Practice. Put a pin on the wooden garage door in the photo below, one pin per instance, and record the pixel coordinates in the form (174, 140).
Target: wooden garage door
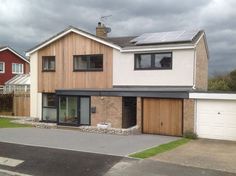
(162, 116)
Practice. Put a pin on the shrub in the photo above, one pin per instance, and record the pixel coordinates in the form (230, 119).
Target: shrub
(190, 135)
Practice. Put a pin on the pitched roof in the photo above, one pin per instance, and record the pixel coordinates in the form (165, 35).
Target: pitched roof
(66, 31)
(127, 42)
(158, 38)
(3, 48)
(21, 79)
(121, 41)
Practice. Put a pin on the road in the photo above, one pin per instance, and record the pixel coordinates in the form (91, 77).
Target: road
(40, 161)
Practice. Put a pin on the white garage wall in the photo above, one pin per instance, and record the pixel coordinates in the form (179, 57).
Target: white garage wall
(215, 115)
(180, 75)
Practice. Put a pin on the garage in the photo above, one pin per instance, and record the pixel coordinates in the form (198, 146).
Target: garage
(216, 116)
(162, 116)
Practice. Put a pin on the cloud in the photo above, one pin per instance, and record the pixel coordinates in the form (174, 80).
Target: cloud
(25, 23)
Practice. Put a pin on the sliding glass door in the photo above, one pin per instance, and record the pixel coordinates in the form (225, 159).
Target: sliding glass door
(74, 110)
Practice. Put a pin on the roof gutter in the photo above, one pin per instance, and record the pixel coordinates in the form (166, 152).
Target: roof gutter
(124, 50)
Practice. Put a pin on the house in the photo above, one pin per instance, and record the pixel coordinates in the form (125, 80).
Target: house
(83, 79)
(11, 64)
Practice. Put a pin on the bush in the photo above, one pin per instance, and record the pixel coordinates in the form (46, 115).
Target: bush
(190, 135)
(6, 102)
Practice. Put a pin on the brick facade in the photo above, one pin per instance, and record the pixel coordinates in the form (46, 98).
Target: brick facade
(188, 115)
(201, 81)
(139, 113)
(108, 109)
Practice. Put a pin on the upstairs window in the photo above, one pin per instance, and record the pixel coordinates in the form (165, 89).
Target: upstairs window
(2, 67)
(17, 68)
(153, 61)
(88, 62)
(48, 63)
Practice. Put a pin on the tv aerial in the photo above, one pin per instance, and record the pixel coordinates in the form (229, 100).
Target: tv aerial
(103, 19)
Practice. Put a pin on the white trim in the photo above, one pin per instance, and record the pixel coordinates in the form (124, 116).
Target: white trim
(77, 32)
(7, 48)
(213, 96)
(157, 49)
(3, 66)
(22, 71)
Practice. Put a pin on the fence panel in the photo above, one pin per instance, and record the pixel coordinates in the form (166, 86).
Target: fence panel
(21, 104)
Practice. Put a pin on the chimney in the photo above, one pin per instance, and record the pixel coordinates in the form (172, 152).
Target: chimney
(101, 30)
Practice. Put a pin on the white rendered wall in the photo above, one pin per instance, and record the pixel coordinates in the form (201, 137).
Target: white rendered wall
(35, 97)
(181, 73)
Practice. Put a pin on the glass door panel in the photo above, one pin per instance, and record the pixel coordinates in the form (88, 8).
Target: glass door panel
(84, 110)
(68, 110)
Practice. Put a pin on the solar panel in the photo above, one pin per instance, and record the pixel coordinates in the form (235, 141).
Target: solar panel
(165, 37)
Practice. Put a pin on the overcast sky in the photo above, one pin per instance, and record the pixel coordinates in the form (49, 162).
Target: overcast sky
(25, 23)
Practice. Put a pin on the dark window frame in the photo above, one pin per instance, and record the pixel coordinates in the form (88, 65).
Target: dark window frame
(88, 69)
(153, 61)
(49, 107)
(50, 58)
(78, 111)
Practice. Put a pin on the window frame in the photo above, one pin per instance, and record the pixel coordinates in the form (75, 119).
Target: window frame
(18, 65)
(88, 69)
(3, 67)
(153, 61)
(49, 107)
(48, 57)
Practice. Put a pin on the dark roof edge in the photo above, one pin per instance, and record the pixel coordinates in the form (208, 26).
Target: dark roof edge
(124, 93)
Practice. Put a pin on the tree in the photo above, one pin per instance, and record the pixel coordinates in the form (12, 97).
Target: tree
(232, 80)
(219, 83)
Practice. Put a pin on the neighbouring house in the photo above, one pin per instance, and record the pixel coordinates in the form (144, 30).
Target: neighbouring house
(78, 78)
(11, 64)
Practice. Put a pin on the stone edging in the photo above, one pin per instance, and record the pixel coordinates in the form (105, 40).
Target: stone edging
(91, 129)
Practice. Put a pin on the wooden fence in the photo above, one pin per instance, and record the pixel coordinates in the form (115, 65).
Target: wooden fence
(15, 104)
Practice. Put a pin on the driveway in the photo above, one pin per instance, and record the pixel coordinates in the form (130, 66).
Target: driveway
(203, 153)
(81, 141)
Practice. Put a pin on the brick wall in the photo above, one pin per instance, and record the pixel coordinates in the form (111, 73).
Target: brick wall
(188, 115)
(139, 113)
(108, 109)
(201, 81)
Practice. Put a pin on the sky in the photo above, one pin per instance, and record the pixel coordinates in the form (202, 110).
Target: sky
(25, 23)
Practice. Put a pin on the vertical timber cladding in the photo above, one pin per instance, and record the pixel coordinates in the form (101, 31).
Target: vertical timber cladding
(64, 77)
(162, 116)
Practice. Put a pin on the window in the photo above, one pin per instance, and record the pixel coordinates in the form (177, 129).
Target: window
(153, 61)
(17, 68)
(48, 63)
(2, 67)
(88, 63)
(49, 107)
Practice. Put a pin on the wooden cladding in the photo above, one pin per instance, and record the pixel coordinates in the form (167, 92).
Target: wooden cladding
(162, 116)
(64, 78)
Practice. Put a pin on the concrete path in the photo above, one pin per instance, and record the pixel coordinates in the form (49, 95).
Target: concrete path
(80, 141)
(203, 153)
(157, 168)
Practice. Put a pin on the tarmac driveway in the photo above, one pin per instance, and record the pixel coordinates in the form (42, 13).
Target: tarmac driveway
(203, 153)
(81, 141)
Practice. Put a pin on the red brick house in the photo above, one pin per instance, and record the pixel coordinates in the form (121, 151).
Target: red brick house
(11, 64)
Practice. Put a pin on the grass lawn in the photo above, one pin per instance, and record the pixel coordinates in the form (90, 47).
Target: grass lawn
(159, 149)
(6, 123)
